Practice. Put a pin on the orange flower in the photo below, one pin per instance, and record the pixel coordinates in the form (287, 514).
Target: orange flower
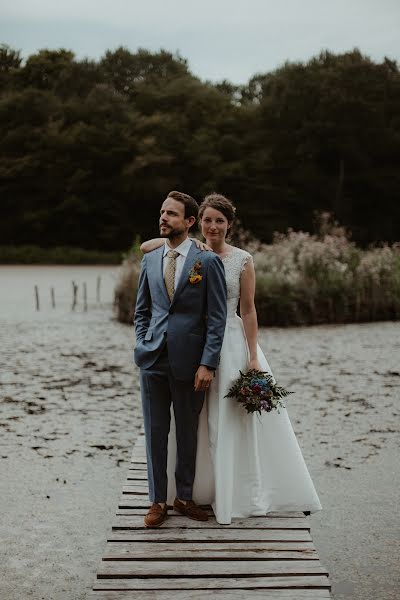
(194, 275)
(195, 278)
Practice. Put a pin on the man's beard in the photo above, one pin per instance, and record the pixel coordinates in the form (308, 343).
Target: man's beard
(171, 233)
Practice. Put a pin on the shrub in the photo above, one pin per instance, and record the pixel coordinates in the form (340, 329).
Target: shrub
(126, 289)
(305, 278)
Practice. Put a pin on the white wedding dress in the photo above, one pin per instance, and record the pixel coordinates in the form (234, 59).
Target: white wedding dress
(247, 464)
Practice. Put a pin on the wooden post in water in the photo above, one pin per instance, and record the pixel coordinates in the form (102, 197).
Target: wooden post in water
(53, 299)
(74, 294)
(84, 297)
(37, 297)
(98, 289)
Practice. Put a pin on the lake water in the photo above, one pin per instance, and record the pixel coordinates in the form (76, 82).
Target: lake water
(17, 287)
(70, 412)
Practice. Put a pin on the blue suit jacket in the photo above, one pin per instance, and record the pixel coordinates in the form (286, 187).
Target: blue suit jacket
(192, 325)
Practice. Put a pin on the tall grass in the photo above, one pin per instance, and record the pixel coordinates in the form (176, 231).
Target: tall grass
(126, 288)
(308, 279)
(324, 278)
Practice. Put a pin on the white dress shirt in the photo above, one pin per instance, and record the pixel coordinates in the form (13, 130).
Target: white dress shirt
(183, 250)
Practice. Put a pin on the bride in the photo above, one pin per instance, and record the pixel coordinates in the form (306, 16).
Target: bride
(247, 464)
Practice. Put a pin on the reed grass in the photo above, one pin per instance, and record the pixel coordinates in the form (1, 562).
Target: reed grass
(306, 279)
(126, 288)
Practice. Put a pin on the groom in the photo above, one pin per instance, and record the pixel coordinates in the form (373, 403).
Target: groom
(180, 320)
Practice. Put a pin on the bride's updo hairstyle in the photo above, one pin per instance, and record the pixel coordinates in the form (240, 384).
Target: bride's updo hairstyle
(221, 203)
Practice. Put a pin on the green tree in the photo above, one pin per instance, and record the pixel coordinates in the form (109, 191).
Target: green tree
(89, 149)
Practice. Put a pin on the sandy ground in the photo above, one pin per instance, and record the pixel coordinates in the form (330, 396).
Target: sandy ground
(70, 412)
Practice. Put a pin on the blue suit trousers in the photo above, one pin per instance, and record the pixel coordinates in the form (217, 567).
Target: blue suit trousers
(159, 389)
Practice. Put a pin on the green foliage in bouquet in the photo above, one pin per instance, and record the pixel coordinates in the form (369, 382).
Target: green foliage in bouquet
(257, 391)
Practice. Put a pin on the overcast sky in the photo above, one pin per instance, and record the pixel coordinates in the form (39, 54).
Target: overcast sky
(222, 39)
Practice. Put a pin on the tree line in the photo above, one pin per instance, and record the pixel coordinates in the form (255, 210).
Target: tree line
(89, 149)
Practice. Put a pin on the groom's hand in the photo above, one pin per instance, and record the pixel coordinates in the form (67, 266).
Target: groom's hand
(203, 378)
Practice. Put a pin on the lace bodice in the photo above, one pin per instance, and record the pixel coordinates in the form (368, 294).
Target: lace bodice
(234, 263)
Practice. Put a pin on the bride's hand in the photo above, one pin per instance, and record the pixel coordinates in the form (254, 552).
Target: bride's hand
(254, 364)
(201, 245)
(153, 244)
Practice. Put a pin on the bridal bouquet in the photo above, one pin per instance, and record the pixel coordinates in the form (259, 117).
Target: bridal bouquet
(256, 391)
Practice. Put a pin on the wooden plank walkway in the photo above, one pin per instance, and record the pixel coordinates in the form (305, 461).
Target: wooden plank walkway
(270, 557)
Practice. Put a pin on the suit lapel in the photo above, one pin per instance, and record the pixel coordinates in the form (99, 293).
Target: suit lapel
(158, 268)
(184, 278)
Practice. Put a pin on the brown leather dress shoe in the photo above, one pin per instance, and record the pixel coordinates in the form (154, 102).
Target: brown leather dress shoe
(191, 510)
(156, 515)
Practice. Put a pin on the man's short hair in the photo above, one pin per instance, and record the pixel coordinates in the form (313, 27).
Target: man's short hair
(190, 204)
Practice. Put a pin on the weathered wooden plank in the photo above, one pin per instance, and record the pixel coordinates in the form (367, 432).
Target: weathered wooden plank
(200, 555)
(207, 568)
(139, 482)
(137, 474)
(140, 486)
(269, 557)
(138, 466)
(135, 512)
(256, 594)
(210, 535)
(138, 459)
(132, 490)
(212, 547)
(185, 551)
(204, 583)
(134, 500)
(129, 502)
(128, 508)
(136, 522)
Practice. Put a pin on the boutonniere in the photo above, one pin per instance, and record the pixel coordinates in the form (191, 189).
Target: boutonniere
(194, 273)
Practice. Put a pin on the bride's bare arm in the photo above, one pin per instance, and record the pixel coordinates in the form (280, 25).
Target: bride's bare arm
(248, 311)
(150, 245)
(155, 243)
